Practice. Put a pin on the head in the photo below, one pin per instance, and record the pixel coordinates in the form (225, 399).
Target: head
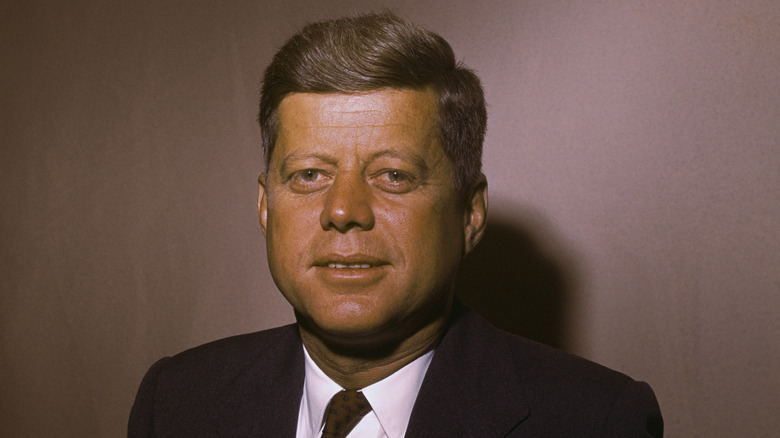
(375, 51)
(372, 192)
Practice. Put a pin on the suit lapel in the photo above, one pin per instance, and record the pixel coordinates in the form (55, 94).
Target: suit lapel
(471, 387)
(263, 400)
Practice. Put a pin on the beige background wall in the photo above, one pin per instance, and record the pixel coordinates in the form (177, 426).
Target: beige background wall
(632, 156)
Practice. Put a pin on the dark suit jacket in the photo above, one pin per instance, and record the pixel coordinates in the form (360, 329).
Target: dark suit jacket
(481, 383)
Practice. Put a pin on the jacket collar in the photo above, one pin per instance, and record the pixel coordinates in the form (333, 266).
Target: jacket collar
(263, 400)
(472, 386)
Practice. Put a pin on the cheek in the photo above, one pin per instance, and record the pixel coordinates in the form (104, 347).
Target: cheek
(425, 232)
(294, 213)
(290, 225)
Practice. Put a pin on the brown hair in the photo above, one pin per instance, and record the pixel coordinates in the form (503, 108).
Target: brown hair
(374, 51)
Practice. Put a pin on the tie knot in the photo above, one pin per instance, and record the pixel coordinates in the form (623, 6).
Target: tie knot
(344, 411)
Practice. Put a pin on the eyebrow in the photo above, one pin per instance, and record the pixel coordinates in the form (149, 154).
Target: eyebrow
(415, 159)
(295, 156)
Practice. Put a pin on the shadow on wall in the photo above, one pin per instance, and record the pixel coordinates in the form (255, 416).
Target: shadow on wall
(515, 284)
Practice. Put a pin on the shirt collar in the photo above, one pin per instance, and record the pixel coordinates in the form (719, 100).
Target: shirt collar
(392, 398)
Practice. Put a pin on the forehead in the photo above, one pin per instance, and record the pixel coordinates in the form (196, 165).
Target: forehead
(389, 105)
(389, 114)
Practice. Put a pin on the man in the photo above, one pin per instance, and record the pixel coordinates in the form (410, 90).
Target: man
(371, 196)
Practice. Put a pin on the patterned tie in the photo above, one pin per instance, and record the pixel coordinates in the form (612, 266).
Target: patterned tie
(344, 411)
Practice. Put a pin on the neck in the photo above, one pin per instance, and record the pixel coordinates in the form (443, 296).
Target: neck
(356, 368)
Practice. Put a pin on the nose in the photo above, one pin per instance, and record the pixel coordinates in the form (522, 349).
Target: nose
(348, 204)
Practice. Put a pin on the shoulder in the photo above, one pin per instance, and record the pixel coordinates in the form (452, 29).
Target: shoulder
(179, 391)
(601, 401)
(538, 363)
(553, 384)
(558, 377)
(219, 360)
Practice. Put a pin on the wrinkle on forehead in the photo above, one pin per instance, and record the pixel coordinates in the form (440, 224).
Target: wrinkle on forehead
(351, 126)
(339, 110)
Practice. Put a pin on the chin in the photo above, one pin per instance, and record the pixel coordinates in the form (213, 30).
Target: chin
(350, 326)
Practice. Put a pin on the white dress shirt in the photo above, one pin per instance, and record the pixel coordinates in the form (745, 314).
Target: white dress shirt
(392, 399)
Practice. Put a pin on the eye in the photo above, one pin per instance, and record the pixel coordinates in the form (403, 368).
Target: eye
(394, 181)
(308, 175)
(307, 180)
(396, 176)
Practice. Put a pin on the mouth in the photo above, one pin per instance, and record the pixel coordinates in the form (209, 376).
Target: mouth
(349, 271)
(351, 261)
(350, 266)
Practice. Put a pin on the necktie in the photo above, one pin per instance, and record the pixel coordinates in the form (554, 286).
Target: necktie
(344, 411)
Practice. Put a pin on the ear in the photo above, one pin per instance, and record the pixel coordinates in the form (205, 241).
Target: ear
(475, 214)
(262, 203)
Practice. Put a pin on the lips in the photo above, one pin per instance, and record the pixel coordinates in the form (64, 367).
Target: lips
(350, 273)
(351, 266)
(350, 261)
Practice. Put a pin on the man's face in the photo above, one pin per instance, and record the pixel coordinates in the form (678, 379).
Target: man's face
(364, 226)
